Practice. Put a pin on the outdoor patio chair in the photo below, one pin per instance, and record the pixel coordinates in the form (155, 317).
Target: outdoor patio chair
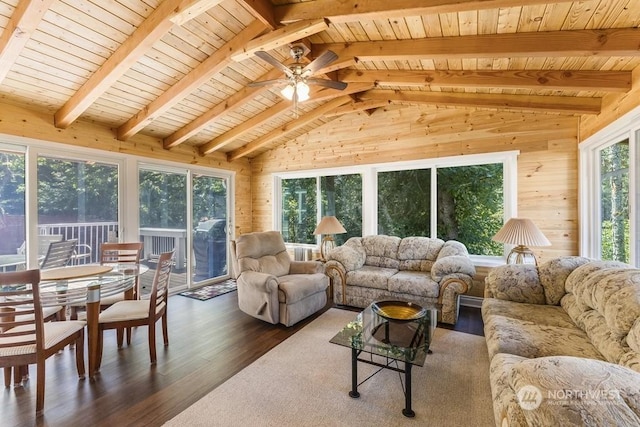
(59, 254)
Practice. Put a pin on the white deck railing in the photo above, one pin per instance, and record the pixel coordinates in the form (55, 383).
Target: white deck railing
(91, 235)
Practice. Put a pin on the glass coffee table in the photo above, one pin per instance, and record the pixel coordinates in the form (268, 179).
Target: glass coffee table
(391, 335)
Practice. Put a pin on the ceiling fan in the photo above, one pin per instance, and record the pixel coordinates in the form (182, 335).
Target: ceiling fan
(298, 76)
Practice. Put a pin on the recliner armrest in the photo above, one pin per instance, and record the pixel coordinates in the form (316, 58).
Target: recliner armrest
(261, 282)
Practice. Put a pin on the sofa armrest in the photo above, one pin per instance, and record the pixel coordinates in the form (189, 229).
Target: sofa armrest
(453, 264)
(306, 267)
(350, 258)
(515, 282)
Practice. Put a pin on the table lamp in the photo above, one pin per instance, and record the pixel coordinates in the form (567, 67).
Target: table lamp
(521, 232)
(328, 226)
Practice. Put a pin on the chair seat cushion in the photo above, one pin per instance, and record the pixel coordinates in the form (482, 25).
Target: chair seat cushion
(54, 332)
(296, 287)
(127, 310)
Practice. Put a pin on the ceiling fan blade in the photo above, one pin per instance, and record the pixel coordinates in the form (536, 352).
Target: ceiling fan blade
(273, 82)
(328, 83)
(321, 61)
(273, 61)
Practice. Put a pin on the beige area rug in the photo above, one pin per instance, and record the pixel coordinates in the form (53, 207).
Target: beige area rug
(305, 381)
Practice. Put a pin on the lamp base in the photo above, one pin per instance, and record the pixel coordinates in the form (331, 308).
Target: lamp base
(326, 246)
(521, 255)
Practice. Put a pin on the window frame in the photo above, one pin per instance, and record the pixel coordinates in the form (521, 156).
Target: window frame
(370, 191)
(589, 195)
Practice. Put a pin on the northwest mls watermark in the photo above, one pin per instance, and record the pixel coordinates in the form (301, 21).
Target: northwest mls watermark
(531, 397)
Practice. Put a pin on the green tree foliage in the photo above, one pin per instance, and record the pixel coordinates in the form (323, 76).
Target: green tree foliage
(470, 206)
(163, 199)
(404, 203)
(74, 191)
(342, 198)
(12, 185)
(299, 210)
(614, 193)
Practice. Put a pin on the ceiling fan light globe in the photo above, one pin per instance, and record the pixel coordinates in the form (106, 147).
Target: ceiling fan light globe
(302, 90)
(287, 92)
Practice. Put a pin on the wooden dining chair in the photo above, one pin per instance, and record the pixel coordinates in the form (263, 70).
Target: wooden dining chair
(116, 253)
(25, 338)
(144, 312)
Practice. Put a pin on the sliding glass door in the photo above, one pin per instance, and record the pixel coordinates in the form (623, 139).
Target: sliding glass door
(186, 212)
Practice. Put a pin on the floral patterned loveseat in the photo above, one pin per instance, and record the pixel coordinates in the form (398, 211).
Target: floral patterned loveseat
(564, 343)
(417, 269)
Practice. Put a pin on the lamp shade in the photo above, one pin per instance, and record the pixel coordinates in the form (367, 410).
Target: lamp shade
(329, 225)
(521, 231)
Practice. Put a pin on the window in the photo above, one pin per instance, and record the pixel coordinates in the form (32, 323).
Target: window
(464, 198)
(342, 197)
(12, 208)
(77, 199)
(404, 200)
(609, 192)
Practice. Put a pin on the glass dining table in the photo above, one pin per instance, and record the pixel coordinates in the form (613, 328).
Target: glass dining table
(87, 284)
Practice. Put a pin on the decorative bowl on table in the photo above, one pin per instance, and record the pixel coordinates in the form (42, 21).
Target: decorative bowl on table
(399, 311)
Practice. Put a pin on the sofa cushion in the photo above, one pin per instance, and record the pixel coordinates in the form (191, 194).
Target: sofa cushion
(516, 282)
(414, 283)
(418, 253)
(528, 339)
(550, 315)
(382, 251)
(372, 277)
(578, 391)
(263, 252)
(554, 273)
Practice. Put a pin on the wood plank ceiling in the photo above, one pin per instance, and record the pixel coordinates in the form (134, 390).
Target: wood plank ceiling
(179, 70)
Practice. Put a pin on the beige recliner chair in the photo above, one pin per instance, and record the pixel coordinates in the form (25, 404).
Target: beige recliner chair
(271, 286)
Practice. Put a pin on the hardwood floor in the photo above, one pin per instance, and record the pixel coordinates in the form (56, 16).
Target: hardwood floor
(209, 341)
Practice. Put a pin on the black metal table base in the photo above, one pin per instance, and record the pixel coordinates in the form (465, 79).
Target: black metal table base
(407, 411)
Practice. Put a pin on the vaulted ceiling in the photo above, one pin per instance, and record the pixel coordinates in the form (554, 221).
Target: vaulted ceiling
(181, 70)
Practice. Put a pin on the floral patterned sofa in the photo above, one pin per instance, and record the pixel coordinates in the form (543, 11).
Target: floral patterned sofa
(564, 343)
(417, 269)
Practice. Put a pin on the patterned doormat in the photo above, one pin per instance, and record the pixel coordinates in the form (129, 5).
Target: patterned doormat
(211, 291)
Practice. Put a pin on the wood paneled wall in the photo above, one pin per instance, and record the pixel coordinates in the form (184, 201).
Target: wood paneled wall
(22, 122)
(547, 165)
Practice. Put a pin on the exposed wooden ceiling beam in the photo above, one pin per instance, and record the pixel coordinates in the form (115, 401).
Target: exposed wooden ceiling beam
(208, 68)
(261, 10)
(317, 94)
(358, 10)
(149, 32)
(17, 32)
(609, 42)
(356, 106)
(558, 104)
(281, 37)
(608, 81)
(287, 128)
